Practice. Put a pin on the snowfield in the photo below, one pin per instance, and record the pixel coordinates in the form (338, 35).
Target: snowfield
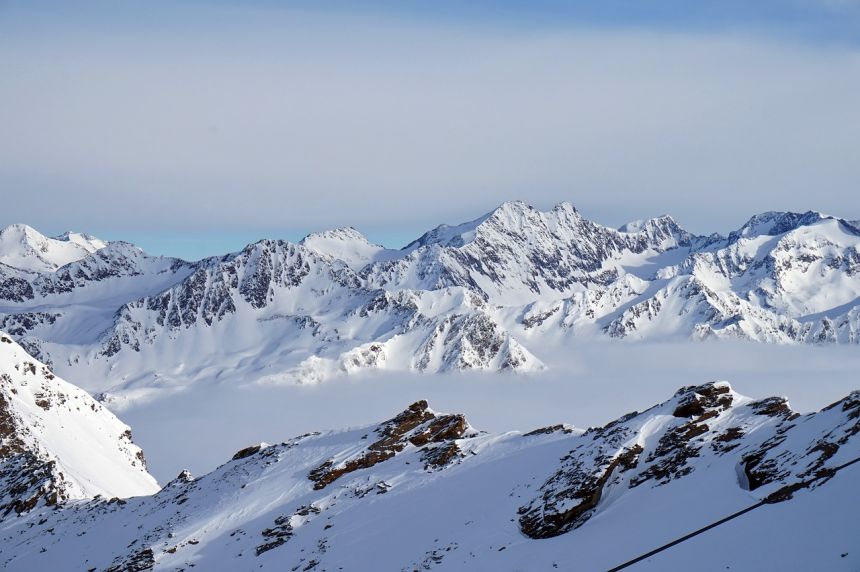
(429, 491)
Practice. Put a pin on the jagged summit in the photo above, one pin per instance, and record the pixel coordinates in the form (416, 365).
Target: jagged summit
(23, 247)
(515, 216)
(773, 223)
(517, 252)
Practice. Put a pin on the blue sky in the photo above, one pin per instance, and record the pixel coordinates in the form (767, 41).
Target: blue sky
(196, 126)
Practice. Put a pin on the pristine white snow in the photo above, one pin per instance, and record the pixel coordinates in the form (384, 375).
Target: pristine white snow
(348, 245)
(60, 423)
(26, 248)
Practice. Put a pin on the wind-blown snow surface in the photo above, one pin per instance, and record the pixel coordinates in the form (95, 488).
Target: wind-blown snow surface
(491, 295)
(427, 491)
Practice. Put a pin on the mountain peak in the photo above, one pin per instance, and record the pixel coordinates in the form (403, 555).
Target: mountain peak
(772, 223)
(565, 206)
(518, 207)
(85, 240)
(25, 248)
(346, 244)
(340, 233)
(21, 233)
(513, 215)
(639, 225)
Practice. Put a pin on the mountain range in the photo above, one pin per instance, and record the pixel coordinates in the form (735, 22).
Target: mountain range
(489, 294)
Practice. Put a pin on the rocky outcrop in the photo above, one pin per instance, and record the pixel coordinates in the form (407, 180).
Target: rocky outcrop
(417, 426)
(777, 452)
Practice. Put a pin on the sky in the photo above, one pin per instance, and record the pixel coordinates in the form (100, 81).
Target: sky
(193, 127)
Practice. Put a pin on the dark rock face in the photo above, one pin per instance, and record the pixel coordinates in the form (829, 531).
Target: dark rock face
(773, 461)
(569, 497)
(15, 289)
(246, 452)
(772, 406)
(776, 223)
(416, 426)
(37, 462)
(582, 489)
(275, 536)
(669, 460)
(697, 401)
(19, 325)
(548, 430)
(698, 425)
(117, 260)
(26, 480)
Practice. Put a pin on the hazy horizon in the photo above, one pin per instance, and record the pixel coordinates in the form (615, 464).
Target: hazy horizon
(200, 244)
(202, 119)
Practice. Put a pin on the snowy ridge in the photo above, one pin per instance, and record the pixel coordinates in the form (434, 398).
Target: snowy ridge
(427, 491)
(273, 288)
(57, 443)
(25, 248)
(517, 252)
(347, 245)
(484, 295)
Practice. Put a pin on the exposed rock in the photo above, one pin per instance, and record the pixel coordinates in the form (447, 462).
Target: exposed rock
(246, 452)
(579, 488)
(416, 426)
(550, 429)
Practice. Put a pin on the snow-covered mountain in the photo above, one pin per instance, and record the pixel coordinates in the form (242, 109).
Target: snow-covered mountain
(517, 254)
(26, 248)
(347, 245)
(57, 443)
(487, 294)
(427, 491)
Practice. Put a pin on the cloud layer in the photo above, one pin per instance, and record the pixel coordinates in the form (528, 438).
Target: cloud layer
(287, 119)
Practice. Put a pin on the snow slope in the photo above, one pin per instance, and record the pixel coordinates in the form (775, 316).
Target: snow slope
(427, 491)
(57, 443)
